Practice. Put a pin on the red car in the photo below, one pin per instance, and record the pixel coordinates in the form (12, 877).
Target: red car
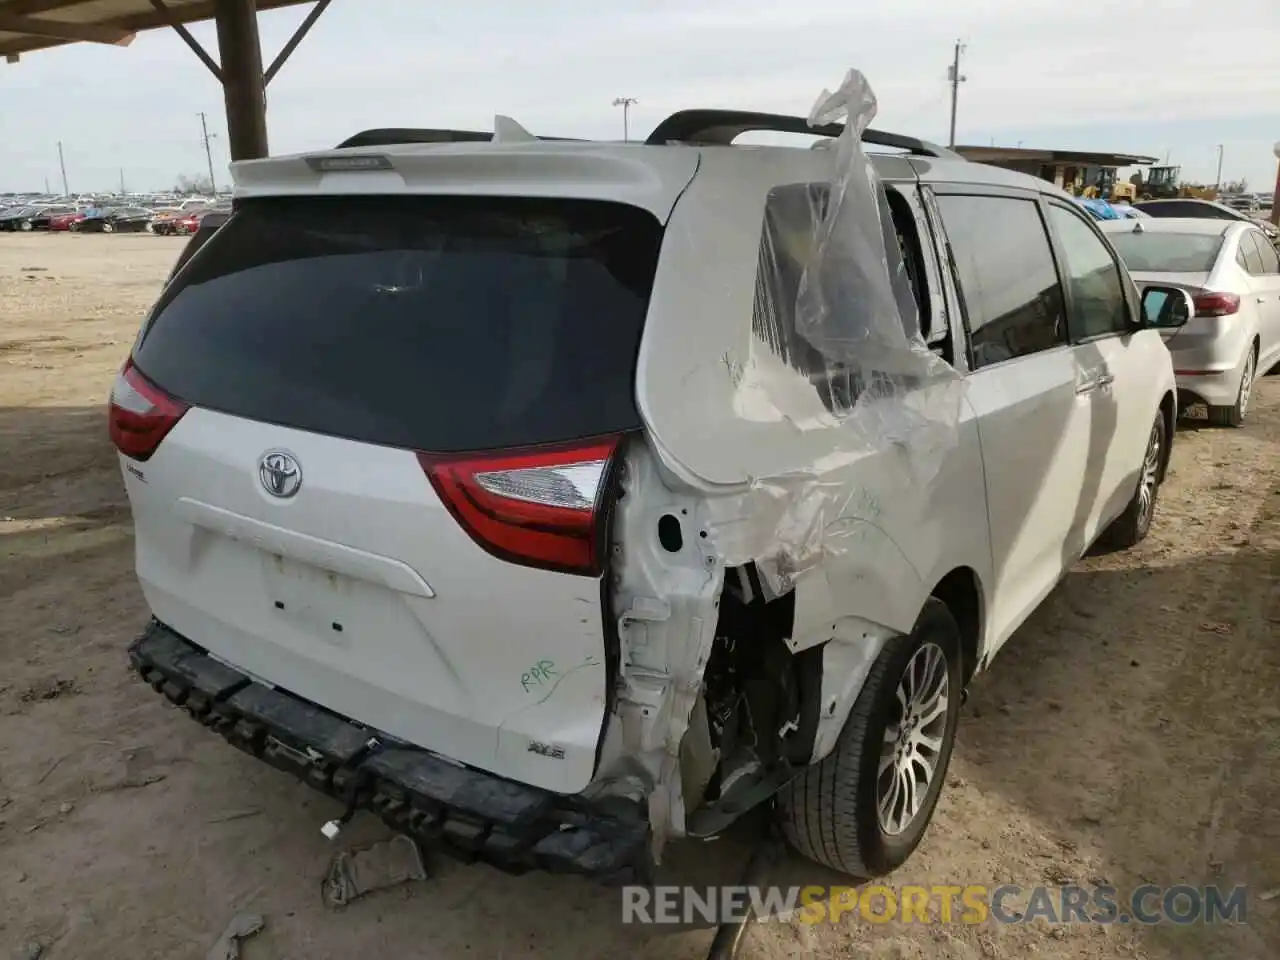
(63, 221)
(184, 226)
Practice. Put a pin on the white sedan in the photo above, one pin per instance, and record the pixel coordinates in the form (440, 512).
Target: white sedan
(1232, 272)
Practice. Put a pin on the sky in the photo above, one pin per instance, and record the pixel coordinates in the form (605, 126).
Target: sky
(1171, 78)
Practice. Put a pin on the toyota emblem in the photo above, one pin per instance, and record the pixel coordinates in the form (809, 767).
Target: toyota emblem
(280, 474)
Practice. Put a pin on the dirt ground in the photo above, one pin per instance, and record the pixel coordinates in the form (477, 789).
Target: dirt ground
(1130, 733)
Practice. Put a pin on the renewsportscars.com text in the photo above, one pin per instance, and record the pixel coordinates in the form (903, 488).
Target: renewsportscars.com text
(946, 904)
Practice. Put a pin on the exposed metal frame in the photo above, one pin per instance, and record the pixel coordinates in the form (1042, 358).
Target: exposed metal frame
(181, 30)
(238, 67)
(11, 22)
(244, 81)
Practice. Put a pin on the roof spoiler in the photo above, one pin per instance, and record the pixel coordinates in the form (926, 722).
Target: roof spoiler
(722, 127)
(505, 129)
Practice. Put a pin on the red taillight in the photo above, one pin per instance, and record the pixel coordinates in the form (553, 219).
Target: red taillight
(140, 413)
(542, 507)
(1216, 304)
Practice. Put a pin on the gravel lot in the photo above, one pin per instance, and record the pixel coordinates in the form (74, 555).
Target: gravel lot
(1130, 733)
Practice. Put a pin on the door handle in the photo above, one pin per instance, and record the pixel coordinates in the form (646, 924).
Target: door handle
(1094, 380)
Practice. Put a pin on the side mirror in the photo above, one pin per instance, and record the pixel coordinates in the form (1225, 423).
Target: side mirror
(1166, 308)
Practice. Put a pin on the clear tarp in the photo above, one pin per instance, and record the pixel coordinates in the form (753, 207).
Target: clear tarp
(837, 347)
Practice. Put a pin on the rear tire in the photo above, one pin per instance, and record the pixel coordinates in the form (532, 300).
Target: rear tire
(1234, 416)
(844, 812)
(107, 228)
(1132, 526)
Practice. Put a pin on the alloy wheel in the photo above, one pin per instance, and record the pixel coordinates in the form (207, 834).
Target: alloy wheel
(912, 745)
(1246, 382)
(1150, 477)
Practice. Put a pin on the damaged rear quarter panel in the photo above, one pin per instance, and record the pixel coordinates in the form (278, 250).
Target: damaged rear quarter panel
(862, 536)
(667, 598)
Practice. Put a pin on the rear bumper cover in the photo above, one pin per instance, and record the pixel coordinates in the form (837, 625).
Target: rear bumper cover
(471, 814)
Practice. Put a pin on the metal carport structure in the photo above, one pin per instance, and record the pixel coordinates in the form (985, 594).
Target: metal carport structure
(28, 25)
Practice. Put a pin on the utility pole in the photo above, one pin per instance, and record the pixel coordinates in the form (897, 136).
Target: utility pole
(1217, 184)
(626, 103)
(1275, 202)
(122, 181)
(205, 137)
(46, 186)
(66, 191)
(956, 78)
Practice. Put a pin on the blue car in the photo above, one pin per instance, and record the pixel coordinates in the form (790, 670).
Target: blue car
(1102, 210)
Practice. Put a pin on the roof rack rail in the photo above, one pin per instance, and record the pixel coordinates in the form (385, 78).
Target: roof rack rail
(722, 127)
(386, 136)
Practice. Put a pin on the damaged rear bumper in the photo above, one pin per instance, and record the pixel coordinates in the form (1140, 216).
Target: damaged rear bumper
(471, 814)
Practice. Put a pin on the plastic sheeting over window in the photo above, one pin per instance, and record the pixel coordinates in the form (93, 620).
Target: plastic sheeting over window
(837, 347)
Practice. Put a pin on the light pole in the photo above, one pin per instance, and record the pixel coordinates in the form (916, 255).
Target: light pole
(955, 78)
(62, 164)
(626, 103)
(1217, 184)
(1275, 200)
(205, 137)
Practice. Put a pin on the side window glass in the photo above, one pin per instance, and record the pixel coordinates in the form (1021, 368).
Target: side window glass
(1268, 258)
(1097, 300)
(1012, 298)
(1252, 257)
(786, 248)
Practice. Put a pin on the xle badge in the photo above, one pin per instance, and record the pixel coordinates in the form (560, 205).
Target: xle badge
(546, 750)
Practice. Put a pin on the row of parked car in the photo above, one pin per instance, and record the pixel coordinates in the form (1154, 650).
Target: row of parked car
(179, 220)
(1250, 203)
(1179, 207)
(627, 598)
(1231, 268)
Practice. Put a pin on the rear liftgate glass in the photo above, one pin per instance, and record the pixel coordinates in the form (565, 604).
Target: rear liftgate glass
(495, 336)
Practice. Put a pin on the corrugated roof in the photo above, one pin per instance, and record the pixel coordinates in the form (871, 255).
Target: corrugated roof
(27, 25)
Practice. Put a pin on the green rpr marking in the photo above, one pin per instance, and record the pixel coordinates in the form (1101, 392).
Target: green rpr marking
(540, 673)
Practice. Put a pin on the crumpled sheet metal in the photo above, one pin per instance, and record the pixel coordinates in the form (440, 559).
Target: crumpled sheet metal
(837, 347)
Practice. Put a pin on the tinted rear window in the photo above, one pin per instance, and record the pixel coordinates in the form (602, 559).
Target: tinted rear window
(1184, 208)
(434, 323)
(1167, 252)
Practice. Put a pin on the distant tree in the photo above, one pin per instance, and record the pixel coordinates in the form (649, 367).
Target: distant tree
(189, 184)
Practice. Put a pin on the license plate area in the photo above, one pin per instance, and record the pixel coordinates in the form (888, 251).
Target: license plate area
(318, 599)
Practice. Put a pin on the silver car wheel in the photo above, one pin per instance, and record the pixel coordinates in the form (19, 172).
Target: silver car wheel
(1150, 477)
(1246, 382)
(912, 746)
